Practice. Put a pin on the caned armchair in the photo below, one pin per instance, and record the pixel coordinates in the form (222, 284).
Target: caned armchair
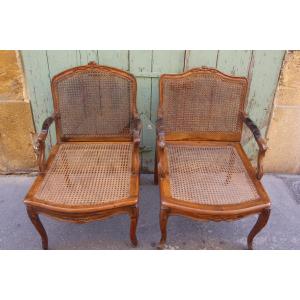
(202, 169)
(93, 170)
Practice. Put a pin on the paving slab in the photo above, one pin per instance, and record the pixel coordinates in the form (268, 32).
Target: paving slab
(281, 232)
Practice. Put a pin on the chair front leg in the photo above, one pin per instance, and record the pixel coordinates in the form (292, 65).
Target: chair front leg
(134, 215)
(259, 225)
(34, 217)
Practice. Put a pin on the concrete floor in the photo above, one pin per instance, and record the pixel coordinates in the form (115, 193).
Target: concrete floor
(282, 231)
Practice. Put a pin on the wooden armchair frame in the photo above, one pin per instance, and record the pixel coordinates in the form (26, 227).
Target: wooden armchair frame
(174, 206)
(86, 213)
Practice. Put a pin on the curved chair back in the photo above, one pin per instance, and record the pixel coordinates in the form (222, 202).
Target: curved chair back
(94, 102)
(202, 104)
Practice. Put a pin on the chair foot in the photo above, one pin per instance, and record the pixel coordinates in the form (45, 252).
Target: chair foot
(259, 225)
(133, 224)
(35, 220)
(164, 215)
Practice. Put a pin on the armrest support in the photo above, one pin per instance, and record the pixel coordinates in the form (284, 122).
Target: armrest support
(160, 133)
(39, 146)
(136, 132)
(261, 142)
(161, 143)
(137, 128)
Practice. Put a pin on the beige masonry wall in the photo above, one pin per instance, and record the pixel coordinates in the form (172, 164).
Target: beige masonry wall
(284, 131)
(16, 124)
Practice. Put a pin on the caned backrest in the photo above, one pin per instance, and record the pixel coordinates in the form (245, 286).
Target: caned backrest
(94, 102)
(202, 104)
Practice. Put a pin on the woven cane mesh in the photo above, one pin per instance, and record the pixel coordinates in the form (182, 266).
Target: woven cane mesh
(213, 175)
(95, 103)
(88, 174)
(202, 103)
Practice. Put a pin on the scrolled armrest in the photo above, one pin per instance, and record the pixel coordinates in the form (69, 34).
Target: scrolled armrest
(261, 142)
(39, 145)
(160, 133)
(161, 144)
(137, 128)
(136, 133)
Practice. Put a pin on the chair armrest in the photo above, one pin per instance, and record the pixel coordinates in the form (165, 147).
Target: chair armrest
(136, 132)
(161, 144)
(261, 142)
(160, 133)
(39, 146)
(137, 128)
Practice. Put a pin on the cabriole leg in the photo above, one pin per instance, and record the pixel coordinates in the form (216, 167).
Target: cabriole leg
(164, 215)
(259, 225)
(133, 224)
(34, 217)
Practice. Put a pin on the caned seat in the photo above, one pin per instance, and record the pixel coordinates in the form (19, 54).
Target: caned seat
(210, 174)
(87, 175)
(93, 170)
(201, 167)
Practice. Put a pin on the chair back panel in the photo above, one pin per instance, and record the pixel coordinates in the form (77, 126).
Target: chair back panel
(202, 102)
(94, 101)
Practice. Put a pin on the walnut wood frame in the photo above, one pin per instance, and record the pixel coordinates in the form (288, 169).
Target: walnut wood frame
(84, 214)
(171, 206)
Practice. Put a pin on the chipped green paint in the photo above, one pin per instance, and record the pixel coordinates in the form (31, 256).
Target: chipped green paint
(38, 89)
(201, 58)
(265, 76)
(261, 67)
(114, 58)
(139, 62)
(87, 56)
(164, 61)
(59, 60)
(234, 62)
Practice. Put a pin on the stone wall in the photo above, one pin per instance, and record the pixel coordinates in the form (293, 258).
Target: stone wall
(16, 124)
(283, 135)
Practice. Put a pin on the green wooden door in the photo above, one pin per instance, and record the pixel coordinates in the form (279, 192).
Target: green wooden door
(261, 67)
